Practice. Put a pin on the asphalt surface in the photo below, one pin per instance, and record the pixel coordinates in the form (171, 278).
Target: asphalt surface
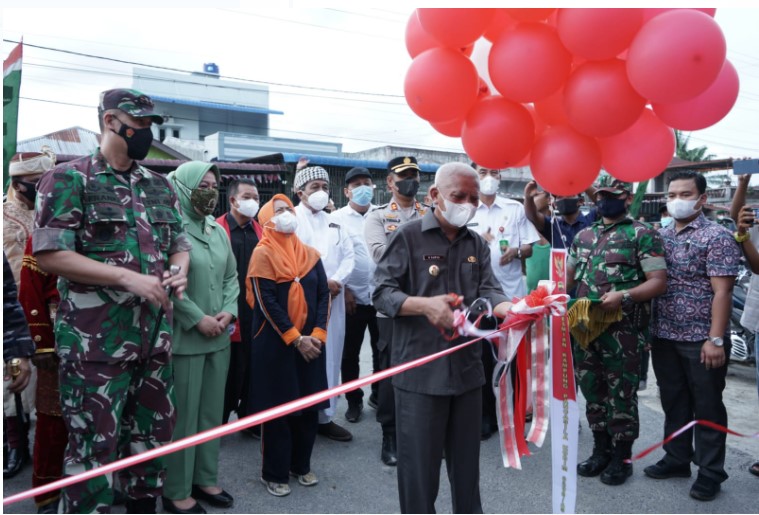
(354, 480)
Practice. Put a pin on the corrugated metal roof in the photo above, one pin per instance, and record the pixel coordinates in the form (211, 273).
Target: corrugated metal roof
(350, 162)
(215, 105)
(72, 141)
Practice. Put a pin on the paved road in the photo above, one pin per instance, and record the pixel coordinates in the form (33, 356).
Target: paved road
(354, 480)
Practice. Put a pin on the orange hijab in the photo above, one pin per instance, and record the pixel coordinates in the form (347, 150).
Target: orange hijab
(281, 258)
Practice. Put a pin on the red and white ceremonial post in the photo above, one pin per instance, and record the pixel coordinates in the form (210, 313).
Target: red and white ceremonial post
(564, 411)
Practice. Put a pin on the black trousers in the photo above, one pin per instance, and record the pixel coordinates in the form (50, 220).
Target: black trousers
(689, 391)
(489, 415)
(427, 425)
(236, 393)
(355, 328)
(385, 394)
(287, 443)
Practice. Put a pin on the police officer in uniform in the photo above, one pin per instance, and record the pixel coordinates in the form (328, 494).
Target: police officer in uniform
(381, 223)
(619, 262)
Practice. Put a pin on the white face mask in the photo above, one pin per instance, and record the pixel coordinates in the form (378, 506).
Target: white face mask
(489, 185)
(458, 215)
(285, 222)
(247, 207)
(681, 209)
(318, 200)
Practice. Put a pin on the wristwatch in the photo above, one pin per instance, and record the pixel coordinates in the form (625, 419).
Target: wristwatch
(716, 341)
(626, 298)
(740, 238)
(519, 253)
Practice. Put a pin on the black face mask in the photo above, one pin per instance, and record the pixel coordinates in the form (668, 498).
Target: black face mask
(138, 140)
(567, 206)
(31, 191)
(408, 187)
(610, 207)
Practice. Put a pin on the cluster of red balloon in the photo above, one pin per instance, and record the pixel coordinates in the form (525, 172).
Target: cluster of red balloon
(566, 90)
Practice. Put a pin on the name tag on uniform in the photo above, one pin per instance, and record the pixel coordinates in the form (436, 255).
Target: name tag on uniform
(429, 257)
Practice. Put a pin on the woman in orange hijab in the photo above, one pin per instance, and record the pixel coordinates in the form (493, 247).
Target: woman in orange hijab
(287, 289)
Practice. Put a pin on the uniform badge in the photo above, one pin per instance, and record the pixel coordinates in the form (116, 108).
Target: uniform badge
(393, 206)
(208, 230)
(392, 227)
(434, 270)
(471, 259)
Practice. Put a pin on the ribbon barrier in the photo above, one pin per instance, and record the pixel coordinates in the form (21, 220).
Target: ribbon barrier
(251, 420)
(686, 427)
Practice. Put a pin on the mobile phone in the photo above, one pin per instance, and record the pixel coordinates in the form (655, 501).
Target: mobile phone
(744, 166)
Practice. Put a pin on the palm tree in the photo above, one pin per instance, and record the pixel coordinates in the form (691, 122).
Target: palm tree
(690, 154)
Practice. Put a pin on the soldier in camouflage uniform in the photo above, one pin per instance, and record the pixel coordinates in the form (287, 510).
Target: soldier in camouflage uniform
(110, 228)
(619, 262)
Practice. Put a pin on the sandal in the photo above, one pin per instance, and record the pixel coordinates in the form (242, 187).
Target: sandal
(754, 469)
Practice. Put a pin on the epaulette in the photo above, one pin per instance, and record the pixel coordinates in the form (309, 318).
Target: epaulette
(383, 206)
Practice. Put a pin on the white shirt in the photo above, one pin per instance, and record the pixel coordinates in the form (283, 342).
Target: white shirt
(506, 220)
(332, 242)
(750, 316)
(361, 280)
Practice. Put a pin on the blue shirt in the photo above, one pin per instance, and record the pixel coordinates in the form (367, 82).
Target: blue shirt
(561, 234)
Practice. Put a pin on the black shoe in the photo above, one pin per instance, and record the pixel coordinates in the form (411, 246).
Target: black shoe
(17, 458)
(353, 414)
(617, 472)
(334, 432)
(51, 507)
(168, 506)
(486, 430)
(389, 452)
(704, 488)
(220, 500)
(144, 505)
(372, 402)
(664, 470)
(600, 458)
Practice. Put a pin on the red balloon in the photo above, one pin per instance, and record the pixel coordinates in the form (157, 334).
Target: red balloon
(528, 62)
(641, 152)
(530, 14)
(450, 128)
(652, 13)
(417, 39)
(564, 161)
(441, 84)
(599, 100)
(551, 109)
(707, 108)
(501, 22)
(456, 27)
(497, 132)
(598, 34)
(676, 56)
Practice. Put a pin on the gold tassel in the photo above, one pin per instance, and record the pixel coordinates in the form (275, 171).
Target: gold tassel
(587, 323)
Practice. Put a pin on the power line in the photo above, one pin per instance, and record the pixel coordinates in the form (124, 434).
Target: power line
(168, 68)
(384, 142)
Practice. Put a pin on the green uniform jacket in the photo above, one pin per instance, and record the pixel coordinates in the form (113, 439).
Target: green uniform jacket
(212, 285)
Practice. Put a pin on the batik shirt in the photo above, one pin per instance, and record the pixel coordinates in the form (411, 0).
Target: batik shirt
(128, 220)
(699, 251)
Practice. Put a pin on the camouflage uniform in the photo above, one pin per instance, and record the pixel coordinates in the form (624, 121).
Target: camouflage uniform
(116, 384)
(614, 258)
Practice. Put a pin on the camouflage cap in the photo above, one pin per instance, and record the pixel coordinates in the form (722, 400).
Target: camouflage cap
(617, 187)
(131, 101)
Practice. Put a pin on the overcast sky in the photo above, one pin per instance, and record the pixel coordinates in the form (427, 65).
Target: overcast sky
(349, 63)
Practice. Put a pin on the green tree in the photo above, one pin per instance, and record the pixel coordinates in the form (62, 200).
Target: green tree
(690, 154)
